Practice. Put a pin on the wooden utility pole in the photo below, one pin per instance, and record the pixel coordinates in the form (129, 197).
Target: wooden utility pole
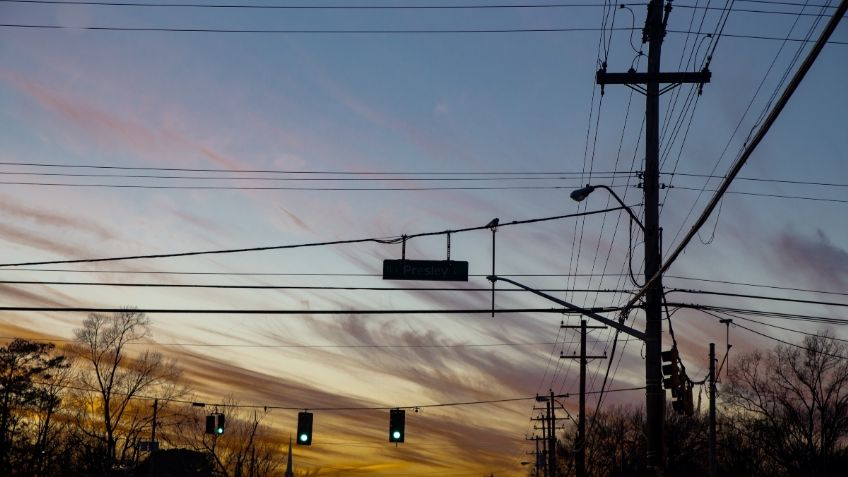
(713, 464)
(580, 442)
(552, 461)
(653, 33)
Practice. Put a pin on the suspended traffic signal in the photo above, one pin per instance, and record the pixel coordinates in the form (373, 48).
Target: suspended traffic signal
(671, 372)
(219, 428)
(304, 428)
(683, 402)
(215, 424)
(397, 421)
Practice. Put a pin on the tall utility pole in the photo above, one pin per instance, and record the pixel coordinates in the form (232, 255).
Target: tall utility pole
(548, 429)
(580, 442)
(538, 456)
(542, 462)
(552, 460)
(655, 26)
(713, 464)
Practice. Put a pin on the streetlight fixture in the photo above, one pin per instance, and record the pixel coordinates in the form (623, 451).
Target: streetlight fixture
(654, 394)
(580, 195)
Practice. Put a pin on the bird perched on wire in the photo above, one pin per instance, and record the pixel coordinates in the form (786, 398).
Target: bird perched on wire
(493, 223)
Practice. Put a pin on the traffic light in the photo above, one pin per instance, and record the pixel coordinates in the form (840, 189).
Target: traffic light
(219, 428)
(397, 421)
(673, 380)
(304, 428)
(671, 372)
(683, 402)
(215, 424)
(210, 424)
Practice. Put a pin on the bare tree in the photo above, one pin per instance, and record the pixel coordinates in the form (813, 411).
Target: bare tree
(793, 402)
(120, 380)
(28, 400)
(247, 448)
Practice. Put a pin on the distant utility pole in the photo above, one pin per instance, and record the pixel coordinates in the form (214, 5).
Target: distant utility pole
(713, 464)
(580, 442)
(653, 33)
(552, 461)
(538, 456)
(153, 447)
(548, 429)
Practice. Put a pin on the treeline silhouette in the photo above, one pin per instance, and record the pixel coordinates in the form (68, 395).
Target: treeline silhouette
(781, 413)
(83, 411)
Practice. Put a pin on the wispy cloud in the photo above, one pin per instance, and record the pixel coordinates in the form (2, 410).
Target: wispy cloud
(815, 257)
(11, 207)
(297, 221)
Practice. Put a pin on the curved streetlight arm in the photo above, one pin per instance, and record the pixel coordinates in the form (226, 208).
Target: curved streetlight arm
(611, 323)
(618, 199)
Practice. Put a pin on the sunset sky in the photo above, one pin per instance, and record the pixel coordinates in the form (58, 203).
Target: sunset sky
(302, 134)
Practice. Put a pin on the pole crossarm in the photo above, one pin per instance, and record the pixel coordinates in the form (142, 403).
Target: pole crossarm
(633, 77)
(611, 323)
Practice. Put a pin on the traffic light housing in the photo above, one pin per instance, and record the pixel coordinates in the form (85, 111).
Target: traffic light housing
(397, 422)
(671, 371)
(215, 424)
(304, 428)
(210, 424)
(219, 428)
(683, 401)
(673, 379)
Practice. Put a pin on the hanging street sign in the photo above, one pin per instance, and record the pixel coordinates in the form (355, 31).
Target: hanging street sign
(433, 270)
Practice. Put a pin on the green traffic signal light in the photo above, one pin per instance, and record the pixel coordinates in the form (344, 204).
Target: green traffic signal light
(397, 421)
(304, 428)
(220, 428)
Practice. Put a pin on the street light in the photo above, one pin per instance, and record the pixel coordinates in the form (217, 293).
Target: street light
(654, 394)
(580, 195)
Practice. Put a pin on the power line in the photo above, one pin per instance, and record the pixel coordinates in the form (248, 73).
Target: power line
(274, 274)
(287, 171)
(249, 6)
(375, 31)
(299, 179)
(771, 325)
(319, 274)
(749, 149)
(308, 346)
(756, 285)
(322, 409)
(789, 343)
(762, 194)
(764, 313)
(792, 4)
(297, 31)
(760, 179)
(321, 189)
(759, 37)
(393, 240)
(380, 189)
(246, 6)
(291, 287)
(235, 311)
(758, 297)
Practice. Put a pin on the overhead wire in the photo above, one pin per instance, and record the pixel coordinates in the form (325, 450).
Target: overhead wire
(35, 26)
(779, 340)
(232, 405)
(288, 287)
(156, 344)
(737, 166)
(378, 240)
